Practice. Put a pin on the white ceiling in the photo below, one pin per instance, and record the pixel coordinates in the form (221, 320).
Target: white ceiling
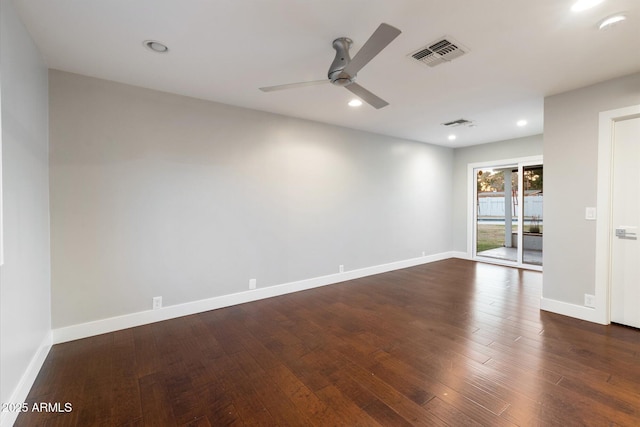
(224, 50)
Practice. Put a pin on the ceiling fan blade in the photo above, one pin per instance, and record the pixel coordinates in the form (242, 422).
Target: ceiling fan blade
(380, 38)
(293, 85)
(366, 96)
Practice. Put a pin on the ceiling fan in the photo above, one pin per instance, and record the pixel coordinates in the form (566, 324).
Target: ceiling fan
(343, 69)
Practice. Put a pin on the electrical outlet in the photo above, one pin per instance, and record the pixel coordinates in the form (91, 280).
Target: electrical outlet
(341, 268)
(252, 283)
(589, 301)
(157, 303)
(424, 253)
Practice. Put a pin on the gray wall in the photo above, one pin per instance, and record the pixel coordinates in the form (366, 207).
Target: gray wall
(570, 167)
(157, 194)
(513, 148)
(25, 315)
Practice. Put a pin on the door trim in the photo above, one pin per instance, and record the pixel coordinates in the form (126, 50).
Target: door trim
(604, 206)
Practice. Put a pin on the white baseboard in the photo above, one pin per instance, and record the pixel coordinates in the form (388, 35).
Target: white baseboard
(84, 330)
(21, 392)
(460, 255)
(571, 310)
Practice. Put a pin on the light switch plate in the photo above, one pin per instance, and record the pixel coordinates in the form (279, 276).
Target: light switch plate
(590, 214)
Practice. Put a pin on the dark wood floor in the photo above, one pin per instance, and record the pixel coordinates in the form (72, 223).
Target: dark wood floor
(448, 343)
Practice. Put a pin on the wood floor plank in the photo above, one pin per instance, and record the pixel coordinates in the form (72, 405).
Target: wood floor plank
(146, 353)
(281, 409)
(448, 412)
(99, 397)
(156, 404)
(448, 343)
(400, 374)
(246, 400)
(227, 416)
(408, 409)
(198, 422)
(124, 379)
(350, 414)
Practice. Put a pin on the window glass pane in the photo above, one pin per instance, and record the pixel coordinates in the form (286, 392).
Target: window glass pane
(532, 215)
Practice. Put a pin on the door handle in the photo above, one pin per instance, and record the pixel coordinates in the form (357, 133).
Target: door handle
(623, 232)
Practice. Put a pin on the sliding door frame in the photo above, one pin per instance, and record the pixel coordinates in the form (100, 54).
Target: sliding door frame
(472, 212)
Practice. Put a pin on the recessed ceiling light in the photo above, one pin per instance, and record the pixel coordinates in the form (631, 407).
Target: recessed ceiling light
(521, 123)
(581, 5)
(611, 20)
(156, 46)
(355, 103)
(451, 137)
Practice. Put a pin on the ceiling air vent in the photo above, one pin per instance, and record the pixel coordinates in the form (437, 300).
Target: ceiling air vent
(440, 51)
(459, 122)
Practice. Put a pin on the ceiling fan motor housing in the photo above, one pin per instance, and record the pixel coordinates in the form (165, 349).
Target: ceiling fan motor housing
(336, 74)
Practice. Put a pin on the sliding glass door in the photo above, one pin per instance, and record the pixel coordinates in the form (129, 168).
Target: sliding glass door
(496, 207)
(507, 218)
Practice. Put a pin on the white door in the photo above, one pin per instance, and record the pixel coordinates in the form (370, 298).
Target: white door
(625, 246)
